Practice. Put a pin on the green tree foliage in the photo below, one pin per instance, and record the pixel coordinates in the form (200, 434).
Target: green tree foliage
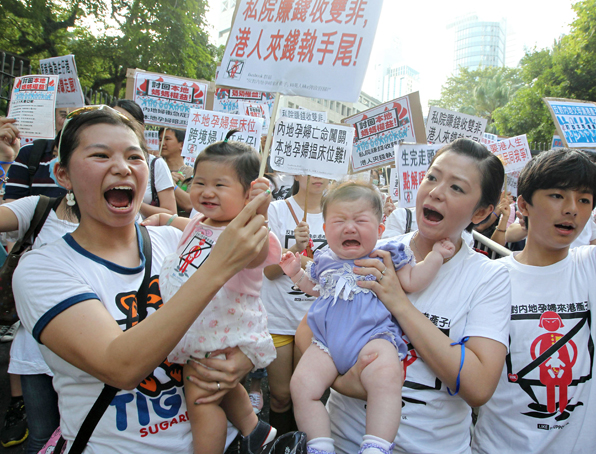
(567, 70)
(166, 36)
(479, 92)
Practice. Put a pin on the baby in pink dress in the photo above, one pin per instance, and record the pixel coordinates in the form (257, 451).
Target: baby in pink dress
(225, 179)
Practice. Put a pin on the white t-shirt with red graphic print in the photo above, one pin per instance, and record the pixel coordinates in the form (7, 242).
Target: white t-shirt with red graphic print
(545, 401)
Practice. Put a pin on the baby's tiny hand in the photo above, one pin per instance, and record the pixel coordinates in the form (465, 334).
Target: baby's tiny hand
(257, 187)
(152, 220)
(290, 263)
(444, 247)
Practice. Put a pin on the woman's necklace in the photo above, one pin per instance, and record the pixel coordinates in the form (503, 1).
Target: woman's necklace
(418, 250)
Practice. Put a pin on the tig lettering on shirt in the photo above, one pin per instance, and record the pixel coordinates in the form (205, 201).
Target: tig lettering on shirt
(159, 389)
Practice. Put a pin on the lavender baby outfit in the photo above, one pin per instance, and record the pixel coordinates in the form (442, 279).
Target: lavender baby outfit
(345, 317)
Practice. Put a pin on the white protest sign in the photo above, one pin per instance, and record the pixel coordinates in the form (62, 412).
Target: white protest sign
(444, 126)
(309, 148)
(32, 105)
(226, 99)
(514, 153)
(512, 178)
(70, 93)
(301, 48)
(206, 127)
(152, 139)
(379, 129)
(575, 121)
(251, 109)
(167, 101)
(488, 139)
(303, 114)
(556, 142)
(412, 162)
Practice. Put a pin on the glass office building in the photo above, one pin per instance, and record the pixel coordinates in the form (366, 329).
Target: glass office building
(479, 43)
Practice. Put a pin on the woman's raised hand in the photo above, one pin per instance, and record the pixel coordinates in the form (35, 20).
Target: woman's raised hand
(9, 139)
(302, 236)
(257, 187)
(242, 240)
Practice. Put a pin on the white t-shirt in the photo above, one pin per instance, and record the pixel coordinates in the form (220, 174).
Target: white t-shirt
(286, 307)
(25, 357)
(163, 178)
(469, 297)
(152, 418)
(518, 419)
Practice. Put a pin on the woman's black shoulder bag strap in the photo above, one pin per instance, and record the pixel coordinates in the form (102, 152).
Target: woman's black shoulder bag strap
(408, 220)
(109, 392)
(154, 196)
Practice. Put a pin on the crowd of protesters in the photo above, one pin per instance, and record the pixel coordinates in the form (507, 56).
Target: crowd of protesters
(491, 356)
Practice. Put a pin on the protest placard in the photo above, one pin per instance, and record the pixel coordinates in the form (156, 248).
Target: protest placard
(303, 114)
(379, 129)
(308, 148)
(488, 139)
(514, 152)
(226, 99)
(412, 162)
(556, 142)
(575, 121)
(152, 139)
(70, 93)
(251, 109)
(511, 179)
(206, 127)
(32, 105)
(166, 100)
(444, 126)
(301, 48)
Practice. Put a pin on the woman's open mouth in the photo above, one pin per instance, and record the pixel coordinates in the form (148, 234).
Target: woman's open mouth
(432, 215)
(120, 197)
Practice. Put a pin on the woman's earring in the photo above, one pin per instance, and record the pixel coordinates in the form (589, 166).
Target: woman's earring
(70, 199)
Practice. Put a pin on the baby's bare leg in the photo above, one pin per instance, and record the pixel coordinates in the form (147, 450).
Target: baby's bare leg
(382, 380)
(314, 374)
(239, 411)
(207, 421)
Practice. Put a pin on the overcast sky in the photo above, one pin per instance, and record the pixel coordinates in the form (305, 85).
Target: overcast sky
(427, 44)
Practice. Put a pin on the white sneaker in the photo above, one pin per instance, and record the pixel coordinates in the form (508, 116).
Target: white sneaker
(8, 336)
(256, 400)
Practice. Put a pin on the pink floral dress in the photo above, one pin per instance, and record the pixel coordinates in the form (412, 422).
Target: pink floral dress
(235, 316)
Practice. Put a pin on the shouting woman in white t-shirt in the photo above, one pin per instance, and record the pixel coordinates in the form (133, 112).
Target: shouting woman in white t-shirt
(81, 304)
(456, 330)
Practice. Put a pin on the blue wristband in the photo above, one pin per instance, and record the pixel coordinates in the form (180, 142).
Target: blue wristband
(461, 364)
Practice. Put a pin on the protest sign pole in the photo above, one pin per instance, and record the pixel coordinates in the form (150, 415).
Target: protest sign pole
(306, 199)
(265, 154)
(163, 137)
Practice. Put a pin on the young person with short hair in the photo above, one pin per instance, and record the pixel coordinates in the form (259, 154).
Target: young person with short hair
(544, 402)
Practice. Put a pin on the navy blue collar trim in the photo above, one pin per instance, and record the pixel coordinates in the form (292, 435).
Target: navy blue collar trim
(109, 265)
